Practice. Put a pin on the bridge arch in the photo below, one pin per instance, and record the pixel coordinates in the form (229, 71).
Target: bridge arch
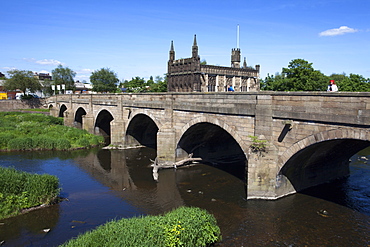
(78, 120)
(321, 157)
(211, 139)
(62, 109)
(217, 122)
(102, 125)
(142, 130)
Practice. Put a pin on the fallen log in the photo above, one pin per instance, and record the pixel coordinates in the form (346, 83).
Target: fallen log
(168, 164)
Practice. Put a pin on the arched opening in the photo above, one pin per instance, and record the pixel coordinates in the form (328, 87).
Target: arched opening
(78, 117)
(102, 125)
(215, 146)
(142, 130)
(63, 108)
(321, 162)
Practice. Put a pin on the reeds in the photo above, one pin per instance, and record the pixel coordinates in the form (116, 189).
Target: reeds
(21, 190)
(185, 226)
(36, 131)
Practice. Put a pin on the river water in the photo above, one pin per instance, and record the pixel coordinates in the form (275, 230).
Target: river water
(101, 185)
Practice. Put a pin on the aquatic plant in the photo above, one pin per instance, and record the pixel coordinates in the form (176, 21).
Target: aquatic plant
(36, 131)
(21, 190)
(184, 226)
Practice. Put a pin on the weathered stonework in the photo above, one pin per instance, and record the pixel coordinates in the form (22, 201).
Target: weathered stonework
(190, 75)
(303, 129)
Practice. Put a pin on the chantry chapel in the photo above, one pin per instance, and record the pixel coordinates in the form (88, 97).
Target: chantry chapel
(190, 75)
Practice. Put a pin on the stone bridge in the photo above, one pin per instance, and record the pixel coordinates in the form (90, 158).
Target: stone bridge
(309, 136)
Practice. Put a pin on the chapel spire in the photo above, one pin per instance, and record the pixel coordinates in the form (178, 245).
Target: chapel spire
(172, 52)
(195, 47)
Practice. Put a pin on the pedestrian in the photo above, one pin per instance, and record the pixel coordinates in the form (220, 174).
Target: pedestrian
(230, 88)
(332, 86)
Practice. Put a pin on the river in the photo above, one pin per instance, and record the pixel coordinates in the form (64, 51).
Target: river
(101, 185)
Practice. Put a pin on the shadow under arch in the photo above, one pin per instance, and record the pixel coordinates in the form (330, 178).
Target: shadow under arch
(78, 117)
(215, 146)
(62, 109)
(142, 130)
(321, 162)
(102, 125)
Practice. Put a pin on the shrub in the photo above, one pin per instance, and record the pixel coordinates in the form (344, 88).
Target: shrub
(83, 142)
(185, 226)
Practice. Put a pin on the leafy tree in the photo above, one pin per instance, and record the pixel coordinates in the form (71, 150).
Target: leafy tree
(64, 76)
(136, 85)
(351, 83)
(104, 80)
(203, 62)
(299, 76)
(23, 80)
(302, 76)
(160, 85)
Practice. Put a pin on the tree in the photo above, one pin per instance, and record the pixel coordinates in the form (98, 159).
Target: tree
(104, 80)
(299, 76)
(351, 83)
(136, 85)
(160, 85)
(23, 80)
(64, 76)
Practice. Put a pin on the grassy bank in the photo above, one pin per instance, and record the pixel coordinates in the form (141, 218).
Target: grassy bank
(37, 131)
(185, 226)
(21, 190)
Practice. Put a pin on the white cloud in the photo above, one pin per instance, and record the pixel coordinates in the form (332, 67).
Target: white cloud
(43, 61)
(84, 71)
(338, 31)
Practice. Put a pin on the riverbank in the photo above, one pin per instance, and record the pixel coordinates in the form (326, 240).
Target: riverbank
(37, 131)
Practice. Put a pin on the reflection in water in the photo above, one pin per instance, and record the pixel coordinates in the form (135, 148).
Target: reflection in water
(105, 184)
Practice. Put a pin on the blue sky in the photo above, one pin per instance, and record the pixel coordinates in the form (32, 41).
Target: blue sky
(133, 38)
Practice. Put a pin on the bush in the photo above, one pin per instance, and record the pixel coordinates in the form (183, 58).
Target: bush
(20, 190)
(185, 226)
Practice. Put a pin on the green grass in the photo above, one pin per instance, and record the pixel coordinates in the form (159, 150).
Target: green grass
(21, 190)
(185, 226)
(37, 131)
(36, 110)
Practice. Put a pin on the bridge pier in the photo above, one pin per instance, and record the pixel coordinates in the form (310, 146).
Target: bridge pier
(117, 127)
(166, 144)
(88, 123)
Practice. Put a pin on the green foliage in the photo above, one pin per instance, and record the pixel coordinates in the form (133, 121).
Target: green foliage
(21, 190)
(23, 80)
(104, 80)
(301, 76)
(64, 76)
(27, 131)
(185, 226)
(351, 83)
(83, 142)
(258, 145)
(139, 85)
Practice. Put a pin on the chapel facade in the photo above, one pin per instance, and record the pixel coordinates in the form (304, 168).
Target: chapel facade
(189, 75)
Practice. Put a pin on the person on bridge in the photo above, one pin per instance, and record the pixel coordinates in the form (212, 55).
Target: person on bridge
(332, 86)
(230, 88)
